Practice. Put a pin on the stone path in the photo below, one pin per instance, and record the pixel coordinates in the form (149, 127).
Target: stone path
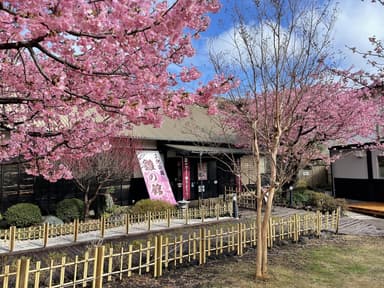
(359, 224)
(134, 229)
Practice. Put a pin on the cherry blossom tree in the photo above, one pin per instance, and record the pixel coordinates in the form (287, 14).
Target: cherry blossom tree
(288, 102)
(75, 72)
(91, 174)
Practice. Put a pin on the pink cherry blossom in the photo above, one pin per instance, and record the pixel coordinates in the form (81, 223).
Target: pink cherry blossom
(76, 72)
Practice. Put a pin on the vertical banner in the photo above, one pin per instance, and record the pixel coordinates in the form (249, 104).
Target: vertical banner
(202, 171)
(186, 179)
(155, 177)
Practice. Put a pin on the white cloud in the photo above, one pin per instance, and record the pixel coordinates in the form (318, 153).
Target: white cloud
(356, 22)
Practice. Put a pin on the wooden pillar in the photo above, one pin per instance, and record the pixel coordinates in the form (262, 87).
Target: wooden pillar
(99, 267)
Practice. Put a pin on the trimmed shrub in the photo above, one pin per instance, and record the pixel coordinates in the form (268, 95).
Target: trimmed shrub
(117, 210)
(323, 202)
(146, 205)
(70, 209)
(53, 220)
(23, 215)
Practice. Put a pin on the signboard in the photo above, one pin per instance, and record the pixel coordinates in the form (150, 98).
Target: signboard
(186, 179)
(155, 177)
(202, 171)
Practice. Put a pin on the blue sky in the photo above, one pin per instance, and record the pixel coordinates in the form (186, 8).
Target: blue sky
(357, 20)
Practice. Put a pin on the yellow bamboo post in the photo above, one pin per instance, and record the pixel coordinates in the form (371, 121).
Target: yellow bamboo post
(127, 219)
(202, 247)
(6, 276)
(186, 214)
(45, 234)
(159, 255)
(102, 226)
(295, 228)
(99, 267)
(209, 243)
(270, 232)
(202, 212)
(22, 273)
(75, 229)
(130, 249)
(181, 249)
(168, 218)
(37, 274)
(62, 271)
(239, 240)
(110, 264)
(149, 215)
(155, 269)
(12, 238)
(338, 211)
(318, 223)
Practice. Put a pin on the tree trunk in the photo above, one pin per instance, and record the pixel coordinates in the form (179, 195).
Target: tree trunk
(87, 204)
(259, 206)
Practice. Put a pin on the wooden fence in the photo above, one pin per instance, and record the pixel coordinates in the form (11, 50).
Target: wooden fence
(45, 232)
(245, 198)
(103, 264)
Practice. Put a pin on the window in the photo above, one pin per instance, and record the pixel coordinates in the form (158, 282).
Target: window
(380, 161)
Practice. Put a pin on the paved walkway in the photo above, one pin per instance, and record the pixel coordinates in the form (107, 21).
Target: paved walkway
(359, 224)
(134, 229)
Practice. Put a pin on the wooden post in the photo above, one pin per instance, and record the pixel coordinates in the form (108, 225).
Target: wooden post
(155, 255)
(239, 240)
(318, 222)
(45, 234)
(99, 267)
(295, 229)
(127, 219)
(168, 218)
(159, 258)
(12, 238)
(22, 273)
(202, 214)
(75, 229)
(217, 212)
(338, 211)
(149, 215)
(130, 249)
(186, 213)
(202, 247)
(102, 226)
(110, 264)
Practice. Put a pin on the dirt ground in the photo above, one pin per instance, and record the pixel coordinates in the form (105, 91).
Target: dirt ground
(331, 261)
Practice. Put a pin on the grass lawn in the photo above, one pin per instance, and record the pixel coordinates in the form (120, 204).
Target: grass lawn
(340, 261)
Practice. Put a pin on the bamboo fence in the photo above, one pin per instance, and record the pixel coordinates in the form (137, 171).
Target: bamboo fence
(46, 232)
(103, 264)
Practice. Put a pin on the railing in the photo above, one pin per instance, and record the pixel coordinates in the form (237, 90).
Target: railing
(245, 198)
(44, 233)
(101, 264)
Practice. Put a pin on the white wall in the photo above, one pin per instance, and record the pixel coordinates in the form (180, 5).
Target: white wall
(350, 166)
(375, 164)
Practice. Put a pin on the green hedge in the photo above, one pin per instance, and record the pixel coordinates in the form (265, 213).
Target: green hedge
(23, 215)
(70, 209)
(316, 200)
(146, 205)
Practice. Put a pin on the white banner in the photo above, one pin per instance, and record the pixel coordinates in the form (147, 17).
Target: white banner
(155, 177)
